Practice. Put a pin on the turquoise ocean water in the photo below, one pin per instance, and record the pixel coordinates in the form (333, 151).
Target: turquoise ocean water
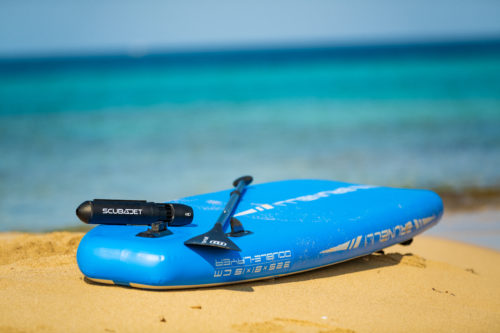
(163, 127)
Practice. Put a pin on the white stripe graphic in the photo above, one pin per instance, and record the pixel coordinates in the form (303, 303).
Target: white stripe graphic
(309, 197)
(426, 220)
(352, 244)
(324, 194)
(340, 247)
(357, 242)
(246, 212)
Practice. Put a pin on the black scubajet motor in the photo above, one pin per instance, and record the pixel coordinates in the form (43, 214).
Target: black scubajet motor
(136, 212)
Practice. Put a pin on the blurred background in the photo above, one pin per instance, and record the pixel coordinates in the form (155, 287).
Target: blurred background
(159, 100)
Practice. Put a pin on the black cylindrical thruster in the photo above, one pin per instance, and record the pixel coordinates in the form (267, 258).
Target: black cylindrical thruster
(135, 212)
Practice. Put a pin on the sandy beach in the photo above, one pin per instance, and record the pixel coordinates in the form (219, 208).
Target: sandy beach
(431, 285)
(346, 115)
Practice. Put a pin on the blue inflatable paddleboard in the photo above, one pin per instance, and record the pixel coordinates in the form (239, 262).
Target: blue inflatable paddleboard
(296, 225)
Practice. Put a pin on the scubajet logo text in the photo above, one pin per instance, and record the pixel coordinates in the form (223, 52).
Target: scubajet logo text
(121, 211)
(382, 235)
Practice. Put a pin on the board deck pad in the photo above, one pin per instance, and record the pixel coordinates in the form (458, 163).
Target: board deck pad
(295, 225)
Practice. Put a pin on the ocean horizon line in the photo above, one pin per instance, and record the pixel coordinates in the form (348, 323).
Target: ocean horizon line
(255, 54)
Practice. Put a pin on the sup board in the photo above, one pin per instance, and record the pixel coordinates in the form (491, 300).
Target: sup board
(295, 226)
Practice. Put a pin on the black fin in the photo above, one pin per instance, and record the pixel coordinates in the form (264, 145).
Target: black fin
(158, 229)
(214, 238)
(407, 242)
(237, 229)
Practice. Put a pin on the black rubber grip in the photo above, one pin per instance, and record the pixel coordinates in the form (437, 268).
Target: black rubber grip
(246, 179)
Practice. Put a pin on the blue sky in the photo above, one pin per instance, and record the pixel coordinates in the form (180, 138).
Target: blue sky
(32, 27)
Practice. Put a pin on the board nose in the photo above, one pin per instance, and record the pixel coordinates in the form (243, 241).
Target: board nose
(429, 202)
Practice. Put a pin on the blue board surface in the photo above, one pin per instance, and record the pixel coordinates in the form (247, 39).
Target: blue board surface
(296, 225)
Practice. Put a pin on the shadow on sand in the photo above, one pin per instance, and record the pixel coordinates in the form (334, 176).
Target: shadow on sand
(372, 261)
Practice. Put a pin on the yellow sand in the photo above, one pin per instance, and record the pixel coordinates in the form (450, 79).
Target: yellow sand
(432, 285)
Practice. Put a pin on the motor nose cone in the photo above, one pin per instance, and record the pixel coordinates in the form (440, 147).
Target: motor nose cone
(84, 211)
